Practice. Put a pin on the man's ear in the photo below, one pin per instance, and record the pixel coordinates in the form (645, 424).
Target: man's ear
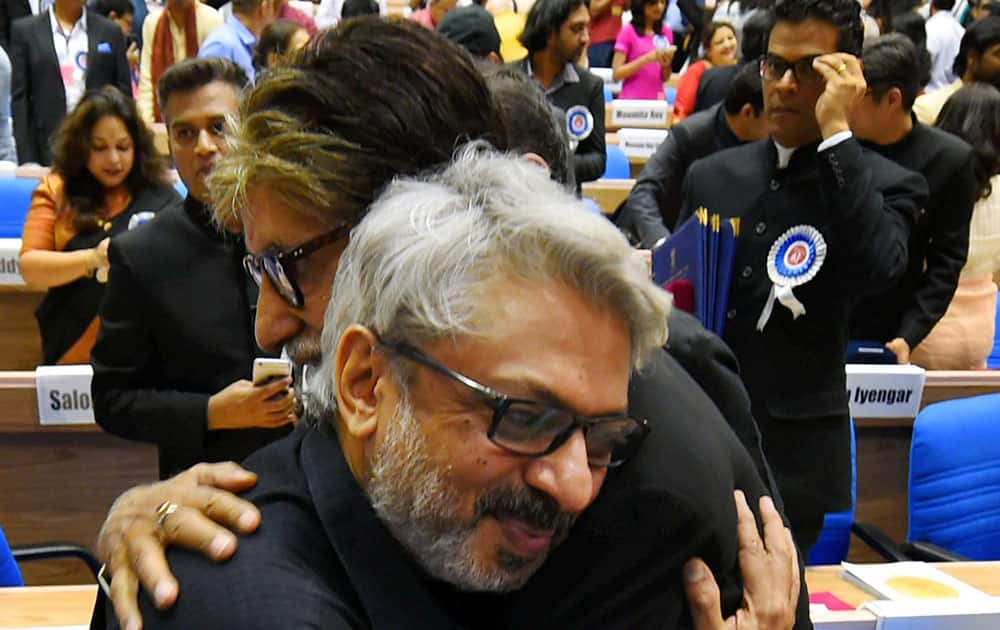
(895, 96)
(358, 367)
(748, 113)
(493, 57)
(113, 16)
(535, 158)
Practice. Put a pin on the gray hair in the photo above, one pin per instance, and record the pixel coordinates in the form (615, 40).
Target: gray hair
(416, 267)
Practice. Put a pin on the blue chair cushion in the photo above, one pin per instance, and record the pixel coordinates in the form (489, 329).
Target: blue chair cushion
(955, 476)
(617, 166)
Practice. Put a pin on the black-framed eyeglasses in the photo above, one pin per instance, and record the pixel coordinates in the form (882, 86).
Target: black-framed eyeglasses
(773, 68)
(279, 265)
(533, 428)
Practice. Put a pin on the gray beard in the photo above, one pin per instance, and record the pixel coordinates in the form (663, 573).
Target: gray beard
(412, 496)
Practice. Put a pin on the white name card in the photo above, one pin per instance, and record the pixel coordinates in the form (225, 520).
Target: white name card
(628, 113)
(953, 614)
(10, 269)
(884, 391)
(64, 394)
(641, 142)
(607, 75)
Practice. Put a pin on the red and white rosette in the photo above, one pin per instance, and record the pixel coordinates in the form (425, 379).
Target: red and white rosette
(794, 259)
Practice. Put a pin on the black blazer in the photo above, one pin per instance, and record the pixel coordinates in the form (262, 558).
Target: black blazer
(38, 100)
(11, 10)
(590, 157)
(176, 327)
(865, 207)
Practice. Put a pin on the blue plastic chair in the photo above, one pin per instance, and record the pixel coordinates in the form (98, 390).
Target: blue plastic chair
(15, 199)
(835, 539)
(10, 574)
(955, 477)
(608, 95)
(617, 166)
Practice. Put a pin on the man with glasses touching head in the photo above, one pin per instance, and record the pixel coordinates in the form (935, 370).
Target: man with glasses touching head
(172, 361)
(824, 222)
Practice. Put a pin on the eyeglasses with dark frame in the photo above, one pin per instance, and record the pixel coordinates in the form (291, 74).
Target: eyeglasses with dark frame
(278, 265)
(773, 68)
(533, 428)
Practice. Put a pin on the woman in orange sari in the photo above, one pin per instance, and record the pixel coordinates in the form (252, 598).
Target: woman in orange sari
(106, 177)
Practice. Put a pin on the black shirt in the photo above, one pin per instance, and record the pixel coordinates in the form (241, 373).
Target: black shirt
(938, 244)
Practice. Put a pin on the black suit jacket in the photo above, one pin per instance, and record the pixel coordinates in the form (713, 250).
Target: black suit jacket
(11, 10)
(652, 208)
(590, 157)
(176, 327)
(38, 100)
(864, 206)
(939, 244)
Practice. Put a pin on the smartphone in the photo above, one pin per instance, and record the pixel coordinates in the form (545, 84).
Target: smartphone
(266, 370)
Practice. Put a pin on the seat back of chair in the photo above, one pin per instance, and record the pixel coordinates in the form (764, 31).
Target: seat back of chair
(955, 477)
(835, 539)
(10, 574)
(15, 199)
(617, 166)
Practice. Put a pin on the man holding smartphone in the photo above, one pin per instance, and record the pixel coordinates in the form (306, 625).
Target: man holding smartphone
(177, 342)
(824, 222)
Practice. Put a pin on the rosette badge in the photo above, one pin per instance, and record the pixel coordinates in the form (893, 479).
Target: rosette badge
(794, 259)
(579, 123)
(660, 42)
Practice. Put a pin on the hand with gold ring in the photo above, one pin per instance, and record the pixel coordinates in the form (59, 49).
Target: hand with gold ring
(845, 86)
(192, 510)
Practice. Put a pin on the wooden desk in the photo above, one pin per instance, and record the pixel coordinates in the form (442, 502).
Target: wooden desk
(982, 575)
(40, 606)
(57, 483)
(20, 341)
(608, 193)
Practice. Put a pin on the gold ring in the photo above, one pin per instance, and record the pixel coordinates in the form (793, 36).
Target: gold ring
(842, 68)
(164, 510)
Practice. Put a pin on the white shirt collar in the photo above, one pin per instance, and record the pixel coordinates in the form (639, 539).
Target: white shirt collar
(784, 155)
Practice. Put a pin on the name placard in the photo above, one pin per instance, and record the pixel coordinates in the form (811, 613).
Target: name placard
(641, 142)
(64, 394)
(628, 113)
(885, 391)
(10, 269)
(607, 75)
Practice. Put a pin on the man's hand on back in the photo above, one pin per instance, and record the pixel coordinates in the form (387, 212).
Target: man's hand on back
(132, 543)
(770, 570)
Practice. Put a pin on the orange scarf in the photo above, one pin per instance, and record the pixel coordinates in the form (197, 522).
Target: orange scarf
(163, 50)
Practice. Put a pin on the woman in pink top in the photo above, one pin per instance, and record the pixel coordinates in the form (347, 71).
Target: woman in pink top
(719, 42)
(643, 52)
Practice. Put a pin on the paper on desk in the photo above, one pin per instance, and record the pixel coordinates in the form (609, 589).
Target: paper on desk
(953, 614)
(910, 582)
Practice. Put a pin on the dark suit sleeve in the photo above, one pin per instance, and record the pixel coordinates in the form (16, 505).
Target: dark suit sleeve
(590, 158)
(126, 402)
(123, 75)
(871, 214)
(5, 26)
(20, 93)
(654, 203)
(945, 256)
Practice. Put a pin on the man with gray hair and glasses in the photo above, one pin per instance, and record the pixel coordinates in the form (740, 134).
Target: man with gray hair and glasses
(473, 399)
(301, 173)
